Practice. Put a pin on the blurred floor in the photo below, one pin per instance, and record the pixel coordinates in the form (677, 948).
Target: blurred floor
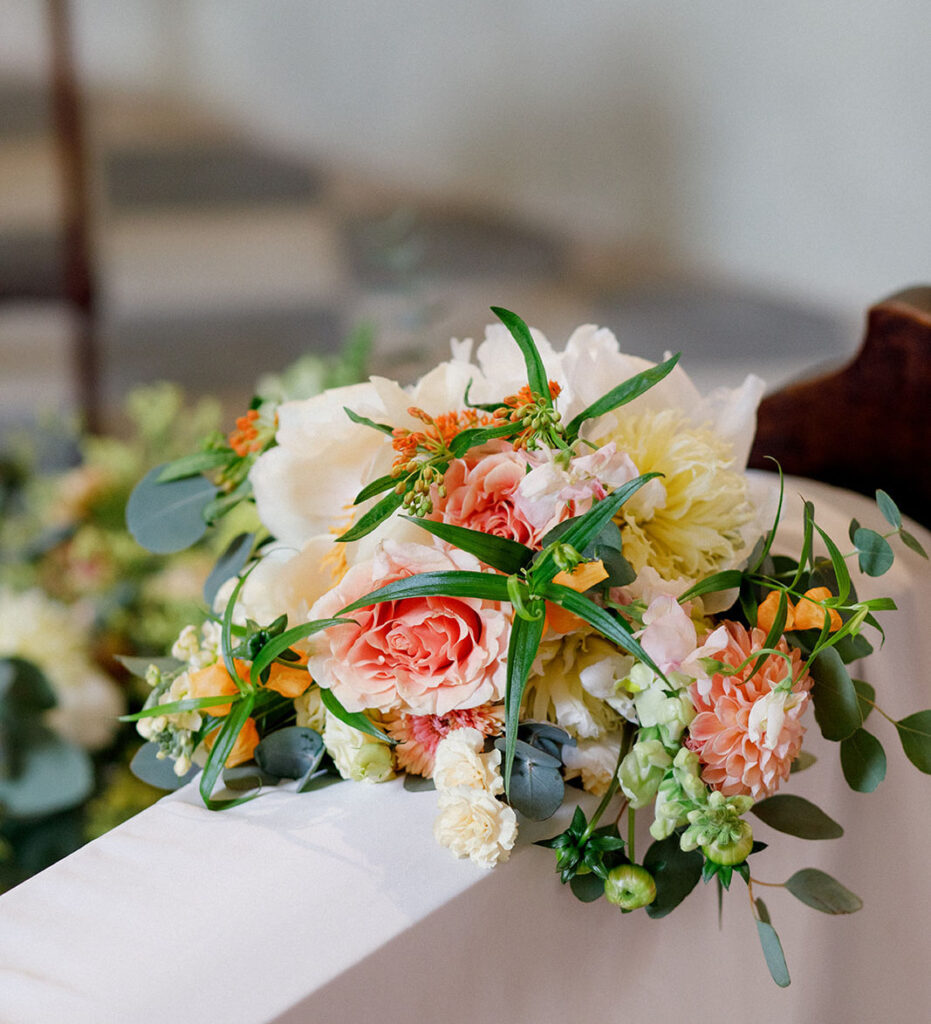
(219, 258)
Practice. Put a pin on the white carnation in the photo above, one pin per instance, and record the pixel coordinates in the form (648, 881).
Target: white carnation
(460, 762)
(472, 823)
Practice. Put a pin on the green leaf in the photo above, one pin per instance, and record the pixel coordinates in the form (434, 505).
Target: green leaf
(912, 542)
(727, 579)
(866, 695)
(375, 515)
(625, 392)
(24, 687)
(675, 872)
(452, 583)
(176, 707)
(852, 529)
(364, 421)
(522, 649)
(246, 777)
(536, 790)
(418, 784)
(279, 644)
(606, 624)
(808, 518)
(140, 666)
(536, 372)
(379, 486)
(224, 503)
(506, 555)
(838, 564)
(587, 888)
(876, 556)
(168, 517)
(194, 465)
(772, 950)
(863, 761)
(587, 527)
(53, 776)
(290, 753)
(759, 557)
(158, 771)
(354, 719)
(889, 509)
(229, 564)
(837, 707)
(223, 745)
(475, 436)
(915, 734)
(802, 761)
(796, 816)
(819, 890)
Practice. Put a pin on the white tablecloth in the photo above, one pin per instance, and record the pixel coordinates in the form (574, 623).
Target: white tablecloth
(338, 905)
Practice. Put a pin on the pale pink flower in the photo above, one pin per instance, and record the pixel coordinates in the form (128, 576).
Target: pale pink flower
(745, 750)
(671, 640)
(480, 493)
(420, 735)
(552, 492)
(422, 655)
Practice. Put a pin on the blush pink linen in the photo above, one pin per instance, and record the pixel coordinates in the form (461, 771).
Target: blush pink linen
(721, 732)
(421, 655)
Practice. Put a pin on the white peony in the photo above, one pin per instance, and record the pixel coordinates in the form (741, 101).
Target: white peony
(473, 823)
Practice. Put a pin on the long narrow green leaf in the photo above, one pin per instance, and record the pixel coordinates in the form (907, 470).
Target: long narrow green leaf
(520, 332)
(625, 392)
(279, 644)
(603, 621)
(839, 565)
(771, 534)
(522, 649)
(453, 583)
(467, 439)
(226, 633)
(373, 517)
(727, 579)
(176, 707)
(220, 751)
(587, 527)
(379, 486)
(193, 465)
(499, 552)
(804, 557)
(354, 719)
(364, 421)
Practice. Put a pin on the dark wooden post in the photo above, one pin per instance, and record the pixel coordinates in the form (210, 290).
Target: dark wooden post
(79, 285)
(868, 425)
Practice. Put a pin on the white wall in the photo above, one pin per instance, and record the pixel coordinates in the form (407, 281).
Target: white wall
(786, 145)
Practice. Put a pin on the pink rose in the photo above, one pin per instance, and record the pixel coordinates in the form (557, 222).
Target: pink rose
(422, 655)
(480, 494)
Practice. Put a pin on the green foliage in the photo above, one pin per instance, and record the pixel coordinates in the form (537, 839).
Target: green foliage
(772, 947)
(451, 583)
(581, 850)
(536, 785)
(500, 553)
(354, 719)
(522, 649)
(796, 816)
(876, 556)
(837, 706)
(52, 775)
(819, 890)
(863, 761)
(168, 517)
(158, 772)
(224, 741)
(231, 563)
(675, 871)
(290, 753)
(915, 734)
(803, 761)
(536, 372)
(889, 509)
(912, 542)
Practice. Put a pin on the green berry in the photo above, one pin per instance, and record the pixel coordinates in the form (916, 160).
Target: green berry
(630, 886)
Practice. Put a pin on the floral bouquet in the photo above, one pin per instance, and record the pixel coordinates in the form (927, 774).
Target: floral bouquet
(529, 575)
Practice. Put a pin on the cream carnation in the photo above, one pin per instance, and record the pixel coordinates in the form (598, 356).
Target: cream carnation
(459, 761)
(423, 655)
(472, 823)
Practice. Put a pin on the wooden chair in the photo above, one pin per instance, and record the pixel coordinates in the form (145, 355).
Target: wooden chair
(868, 425)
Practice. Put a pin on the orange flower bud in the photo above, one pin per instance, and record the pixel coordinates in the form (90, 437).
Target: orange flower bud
(766, 613)
(289, 682)
(243, 748)
(583, 576)
(809, 615)
(215, 681)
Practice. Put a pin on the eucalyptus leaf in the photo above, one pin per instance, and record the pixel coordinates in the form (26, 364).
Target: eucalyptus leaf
(140, 666)
(772, 950)
(418, 784)
(889, 509)
(53, 776)
(587, 888)
(536, 372)
(526, 752)
(802, 761)
(247, 776)
(876, 555)
(158, 771)
(837, 707)
(290, 753)
(912, 542)
(546, 737)
(24, 687)
(915, 734)
(500, 553)
(866, 695)
(675, 872)
(796, 816)
(863, 761)
(536, 790)
(168, 517)
(194, 465)
(229, 564)
(819, 890)
(852, 529)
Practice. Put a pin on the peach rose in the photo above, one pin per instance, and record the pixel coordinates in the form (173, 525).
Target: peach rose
(480, 494)
(422, 655)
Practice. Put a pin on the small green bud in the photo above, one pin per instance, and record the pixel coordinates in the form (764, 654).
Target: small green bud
(735, 852)
(630, 886)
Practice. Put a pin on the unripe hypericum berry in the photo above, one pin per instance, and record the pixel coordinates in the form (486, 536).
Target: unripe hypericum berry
(630, 886)
(735, 852)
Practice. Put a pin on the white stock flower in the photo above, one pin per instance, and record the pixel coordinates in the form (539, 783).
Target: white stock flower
(473, 823)
(311, 714)
(768, 715)
(199, 648)
(459, 761)
(357, 755)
